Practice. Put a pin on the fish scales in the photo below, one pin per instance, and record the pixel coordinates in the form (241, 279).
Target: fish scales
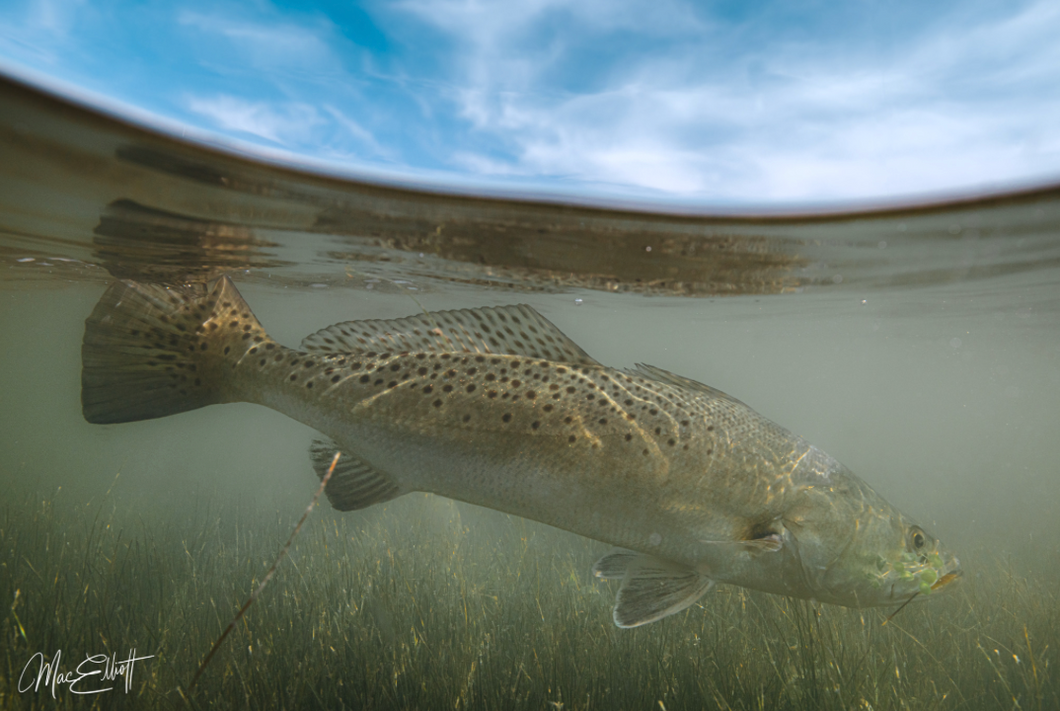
(587, 427)
(498, 408)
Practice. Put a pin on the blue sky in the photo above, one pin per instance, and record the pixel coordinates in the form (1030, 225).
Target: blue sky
(722, 103)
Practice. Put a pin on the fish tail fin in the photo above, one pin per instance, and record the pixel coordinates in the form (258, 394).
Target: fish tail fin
(150, 350)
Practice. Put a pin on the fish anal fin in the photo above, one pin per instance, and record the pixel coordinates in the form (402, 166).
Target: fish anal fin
(651, 588)
(354, 484)
(507, 330)
(614, 565)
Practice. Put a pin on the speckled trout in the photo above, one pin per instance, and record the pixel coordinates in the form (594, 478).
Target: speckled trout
(497, 407)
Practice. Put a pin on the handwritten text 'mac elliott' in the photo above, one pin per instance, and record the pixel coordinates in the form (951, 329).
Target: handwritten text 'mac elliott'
(87, 678)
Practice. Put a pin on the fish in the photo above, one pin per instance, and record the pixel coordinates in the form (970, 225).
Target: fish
(497, 407)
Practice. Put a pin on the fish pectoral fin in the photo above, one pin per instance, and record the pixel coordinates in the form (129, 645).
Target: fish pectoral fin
(771, 543)
(653, 589)
(354, 484)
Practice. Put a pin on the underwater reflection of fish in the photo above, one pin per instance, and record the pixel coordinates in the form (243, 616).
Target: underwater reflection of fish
(497, 407)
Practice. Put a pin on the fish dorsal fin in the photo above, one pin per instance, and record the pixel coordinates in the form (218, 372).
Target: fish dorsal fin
(510, 330)
(354, 484)
(665, 376)
(651, 588)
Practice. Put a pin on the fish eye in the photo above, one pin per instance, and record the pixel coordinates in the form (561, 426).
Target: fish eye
(916, 536)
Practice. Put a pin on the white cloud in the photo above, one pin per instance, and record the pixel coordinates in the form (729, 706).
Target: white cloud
(56, 17)
(487, 23)
(974, 104)
(39, 35)
(272, 46)
(653, 95)
(285, 124)
(358, 132)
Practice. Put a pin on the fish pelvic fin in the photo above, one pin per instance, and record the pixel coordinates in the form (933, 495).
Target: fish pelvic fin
(355, 484)
(651, 588)
(151, 350)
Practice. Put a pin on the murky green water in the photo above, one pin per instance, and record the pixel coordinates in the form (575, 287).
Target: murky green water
(919, 346)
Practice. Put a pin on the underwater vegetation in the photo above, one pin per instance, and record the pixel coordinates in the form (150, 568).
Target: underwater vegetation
(426, 604)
